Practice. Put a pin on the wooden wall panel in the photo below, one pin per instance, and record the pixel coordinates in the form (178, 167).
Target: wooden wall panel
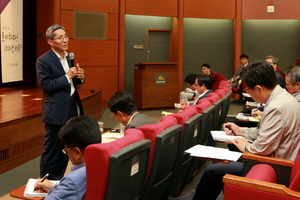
(217, 9)
(67, 20)
(104, 78)
(109, 6)
(257, 9)
(95, 52)
(152, 7)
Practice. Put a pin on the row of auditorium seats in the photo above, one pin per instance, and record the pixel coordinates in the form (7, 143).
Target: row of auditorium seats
(149, 161)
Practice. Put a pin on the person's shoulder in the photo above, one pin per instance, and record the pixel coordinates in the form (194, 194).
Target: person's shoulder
(46, 55)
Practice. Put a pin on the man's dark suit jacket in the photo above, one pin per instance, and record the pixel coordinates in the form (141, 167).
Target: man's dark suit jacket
(56, 89)
(205, 95)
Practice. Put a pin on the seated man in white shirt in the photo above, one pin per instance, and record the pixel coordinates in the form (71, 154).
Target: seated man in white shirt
(203, 85)
(189, 92)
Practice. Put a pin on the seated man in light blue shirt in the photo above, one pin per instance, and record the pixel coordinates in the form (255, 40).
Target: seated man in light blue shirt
(76, 135)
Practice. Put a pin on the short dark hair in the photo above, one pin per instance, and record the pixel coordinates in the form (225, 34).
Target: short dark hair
(204, 79)
(244, 56)
(206, 65)
(122, 101)
(80, 132)
(190, 78)
(259, 73)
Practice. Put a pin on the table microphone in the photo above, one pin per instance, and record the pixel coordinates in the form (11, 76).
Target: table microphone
(71, 56)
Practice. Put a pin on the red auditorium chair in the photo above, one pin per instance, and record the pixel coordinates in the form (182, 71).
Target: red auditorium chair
(213, 97)
(109, 167)
(192, 123)
(202, 105)
(218, 78)
(261, 183)
(165, 139)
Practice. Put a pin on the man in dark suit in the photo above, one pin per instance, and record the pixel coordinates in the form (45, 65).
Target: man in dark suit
(203, 84)
(124, 109)
(61, 101)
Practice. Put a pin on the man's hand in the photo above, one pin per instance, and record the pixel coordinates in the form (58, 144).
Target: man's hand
(80, 72)
(240, 143)
(72, 72)
(44, 186)
(232, 129)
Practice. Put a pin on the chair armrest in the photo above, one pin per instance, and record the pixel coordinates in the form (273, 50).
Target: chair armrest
(259, 185)
(268, 159)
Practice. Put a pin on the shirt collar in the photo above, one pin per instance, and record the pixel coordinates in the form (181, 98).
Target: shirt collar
(66, 54)
(74, 167)
(131, 118)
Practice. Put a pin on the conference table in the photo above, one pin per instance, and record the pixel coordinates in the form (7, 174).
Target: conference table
(108, 135)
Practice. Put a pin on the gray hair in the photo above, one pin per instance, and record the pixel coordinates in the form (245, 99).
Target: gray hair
(50, 31)
(295, 75)
(274, 59)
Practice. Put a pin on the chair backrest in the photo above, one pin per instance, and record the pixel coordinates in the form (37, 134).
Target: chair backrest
(127, 171)
(191, 132)
(219, 109)
(207, 122)
(217, 79)
(202, 105)
(295, 176)
(167, 143)
(226, 106)
(150, 132)
(97, 159)
(213, 97)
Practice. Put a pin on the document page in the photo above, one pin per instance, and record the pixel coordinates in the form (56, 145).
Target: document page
(213, 152)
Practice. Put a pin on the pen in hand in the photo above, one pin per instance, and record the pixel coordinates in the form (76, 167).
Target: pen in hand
(230, 130)
(44, 178)
(258, 107)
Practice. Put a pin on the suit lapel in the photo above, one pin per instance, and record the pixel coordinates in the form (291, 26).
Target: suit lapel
(57, 62)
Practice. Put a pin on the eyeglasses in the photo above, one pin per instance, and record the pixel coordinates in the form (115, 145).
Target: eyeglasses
(62, 38)
(64, 150)
(114, 115)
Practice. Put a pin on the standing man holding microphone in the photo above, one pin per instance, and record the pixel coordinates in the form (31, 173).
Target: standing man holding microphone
(58, 79)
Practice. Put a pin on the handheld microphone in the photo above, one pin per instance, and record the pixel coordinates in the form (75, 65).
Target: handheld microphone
(71, 56)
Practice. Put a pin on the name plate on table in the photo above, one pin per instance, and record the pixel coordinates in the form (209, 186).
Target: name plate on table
(160, 79)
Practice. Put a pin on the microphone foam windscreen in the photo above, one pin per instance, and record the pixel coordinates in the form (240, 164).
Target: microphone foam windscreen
(71, 56)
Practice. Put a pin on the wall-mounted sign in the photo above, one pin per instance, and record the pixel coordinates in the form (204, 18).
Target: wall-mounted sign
(160, 79)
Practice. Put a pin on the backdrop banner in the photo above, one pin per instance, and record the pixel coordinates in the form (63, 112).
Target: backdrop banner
(11, 40)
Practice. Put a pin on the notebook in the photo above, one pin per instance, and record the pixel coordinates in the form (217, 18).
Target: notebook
(28, 192)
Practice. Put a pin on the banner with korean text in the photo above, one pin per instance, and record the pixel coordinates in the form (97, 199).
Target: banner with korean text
(11, 40)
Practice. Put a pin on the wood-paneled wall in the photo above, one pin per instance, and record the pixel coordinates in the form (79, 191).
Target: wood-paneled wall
(104, 61)
(152, 7)
(216, 9)
(257, 9)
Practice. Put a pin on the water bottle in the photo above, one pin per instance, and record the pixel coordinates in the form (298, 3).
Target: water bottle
(122, 128)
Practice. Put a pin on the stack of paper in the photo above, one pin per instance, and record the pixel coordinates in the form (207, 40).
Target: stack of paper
(213, 152)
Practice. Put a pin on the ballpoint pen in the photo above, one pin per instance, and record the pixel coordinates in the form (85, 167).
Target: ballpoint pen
(44, 178)
(231, 130)
(259, 105)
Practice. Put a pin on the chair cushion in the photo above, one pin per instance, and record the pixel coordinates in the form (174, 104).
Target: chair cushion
(295, 176)
(262, 172)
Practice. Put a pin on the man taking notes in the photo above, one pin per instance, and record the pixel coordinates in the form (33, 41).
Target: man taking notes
(278, 133)
(76, 135)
